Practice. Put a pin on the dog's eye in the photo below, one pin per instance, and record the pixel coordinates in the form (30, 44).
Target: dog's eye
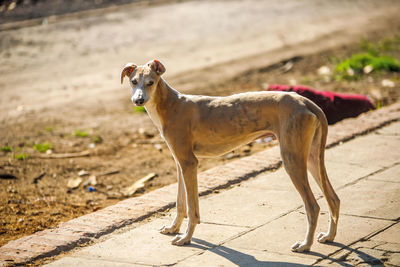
(150, 83)
(134, 81)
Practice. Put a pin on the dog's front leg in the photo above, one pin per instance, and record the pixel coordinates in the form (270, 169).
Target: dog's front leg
(180, 206)
(189, 173)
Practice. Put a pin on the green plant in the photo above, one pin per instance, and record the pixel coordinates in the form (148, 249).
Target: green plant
(352, 68)
(379, 104)
(139, 109)
(97, 139)
(42, 147)
(21, 156)
(48, 129)
(79, 133)
(6, 148)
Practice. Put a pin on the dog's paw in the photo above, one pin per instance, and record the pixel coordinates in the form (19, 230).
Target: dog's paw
(180, 240)
(171, 229)
(300, 247)
(324, 237)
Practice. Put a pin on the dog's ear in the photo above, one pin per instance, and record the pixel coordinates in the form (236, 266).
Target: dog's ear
(127, 71)
(157, 66)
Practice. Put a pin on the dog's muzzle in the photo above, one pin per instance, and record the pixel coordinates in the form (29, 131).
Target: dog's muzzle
(138, 102)
(139, 98)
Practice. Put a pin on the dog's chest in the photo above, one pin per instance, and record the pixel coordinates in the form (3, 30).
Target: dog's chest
(152, 112)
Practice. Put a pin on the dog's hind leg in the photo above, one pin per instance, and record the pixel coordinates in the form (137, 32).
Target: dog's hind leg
(316, 166)
(180, 206)
(295, 139)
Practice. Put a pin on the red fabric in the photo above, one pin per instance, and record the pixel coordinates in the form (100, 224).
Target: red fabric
(336, 106)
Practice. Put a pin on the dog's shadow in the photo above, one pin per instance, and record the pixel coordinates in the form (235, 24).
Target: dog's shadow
(236, 257)
(242, 259)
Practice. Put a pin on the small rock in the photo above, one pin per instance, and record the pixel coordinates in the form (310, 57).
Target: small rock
(231, 155)
(83, 173)
(292, 82)
(21, 220)
(109, 187)
(158, 147)
(11, 6)
(90, 181)
(288, 66)
(138, 185)
(12, 190)
(74, 183)
(49, 151)
(324, 71)
(92, 145)
(387, 83)
(368, 69)
(350, 72)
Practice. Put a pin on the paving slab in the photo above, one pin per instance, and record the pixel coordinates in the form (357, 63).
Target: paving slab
(358, 255)
(244, 207)
(339, 173)
(145, 245)
(370, 198)
(392, 247)
(390, 175)
(392, 129)
(384, 147)
(394, 259)
(367, 253)
(391, 235)
(279, 235)
(342, 169)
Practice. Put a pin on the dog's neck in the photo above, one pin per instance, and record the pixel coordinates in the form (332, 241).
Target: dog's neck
(161, 103)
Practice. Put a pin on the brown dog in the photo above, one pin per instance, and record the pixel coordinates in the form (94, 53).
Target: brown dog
(204, 126)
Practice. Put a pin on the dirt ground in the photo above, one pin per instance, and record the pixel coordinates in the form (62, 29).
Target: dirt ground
(121, 143)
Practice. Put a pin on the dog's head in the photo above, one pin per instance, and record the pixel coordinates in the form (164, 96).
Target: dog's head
(143, 80)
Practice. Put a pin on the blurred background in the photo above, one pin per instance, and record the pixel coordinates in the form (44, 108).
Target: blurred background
(71, 140)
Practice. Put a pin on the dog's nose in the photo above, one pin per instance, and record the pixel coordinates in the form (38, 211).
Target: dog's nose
(139, 101)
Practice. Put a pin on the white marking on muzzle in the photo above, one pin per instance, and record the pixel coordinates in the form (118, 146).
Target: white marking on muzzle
(139, 97)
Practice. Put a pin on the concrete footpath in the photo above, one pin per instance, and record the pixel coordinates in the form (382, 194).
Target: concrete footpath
(255, 222)
(252, 218)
